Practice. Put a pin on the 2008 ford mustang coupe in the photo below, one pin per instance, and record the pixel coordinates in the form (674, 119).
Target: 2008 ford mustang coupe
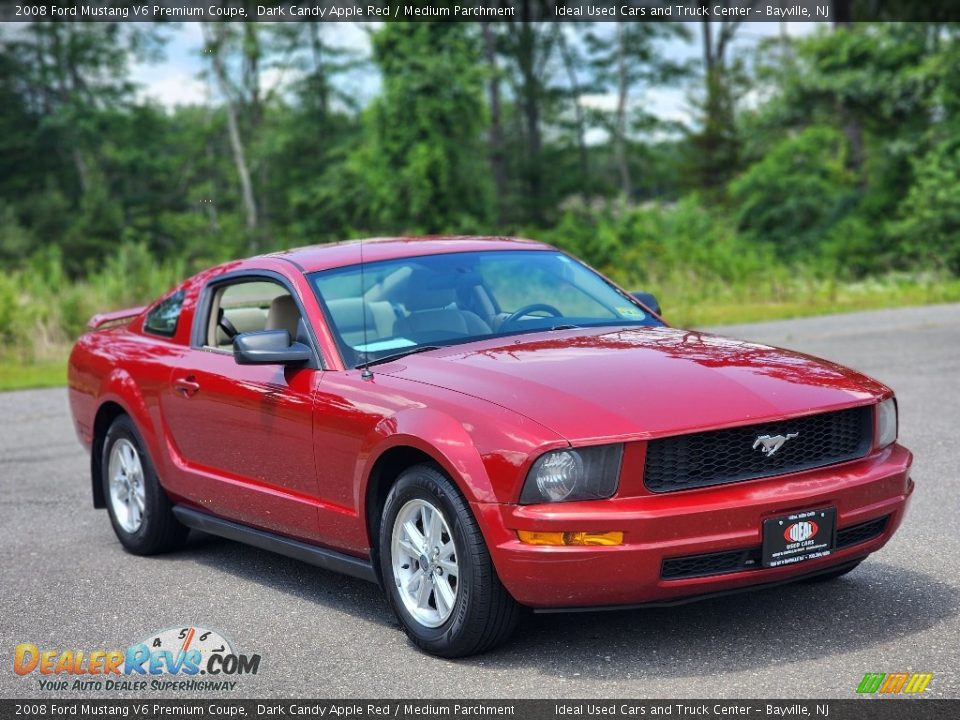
(479, 424)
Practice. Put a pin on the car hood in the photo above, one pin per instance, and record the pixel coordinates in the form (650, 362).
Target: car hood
(592, 384)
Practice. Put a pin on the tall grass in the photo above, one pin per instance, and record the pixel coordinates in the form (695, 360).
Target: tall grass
(706, 273)
(42, 310)
(702, 271)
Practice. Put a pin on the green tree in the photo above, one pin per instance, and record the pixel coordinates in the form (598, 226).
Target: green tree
(629, 64)
(716, 143)
(310, 136)
(58, 80)
(426, 166)
(794, 194)
(528, 44)
(929, 225)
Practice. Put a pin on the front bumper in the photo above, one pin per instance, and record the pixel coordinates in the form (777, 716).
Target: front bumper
(695, 522)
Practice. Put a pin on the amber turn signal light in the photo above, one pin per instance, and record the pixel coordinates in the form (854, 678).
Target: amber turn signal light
(532, 537)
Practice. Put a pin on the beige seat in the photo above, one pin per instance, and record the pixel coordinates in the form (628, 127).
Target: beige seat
(244, 320)
(434, 315)
(355, 318)
(283, 315)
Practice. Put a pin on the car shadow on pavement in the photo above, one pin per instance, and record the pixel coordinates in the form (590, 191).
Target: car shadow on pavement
(872, 605)
(357, 597)
(875, 603)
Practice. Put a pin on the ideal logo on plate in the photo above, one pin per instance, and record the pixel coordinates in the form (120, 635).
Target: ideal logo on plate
(800, 531)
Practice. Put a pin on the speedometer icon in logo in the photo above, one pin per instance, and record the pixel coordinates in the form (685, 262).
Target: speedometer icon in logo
(185, 639)
(800, 531)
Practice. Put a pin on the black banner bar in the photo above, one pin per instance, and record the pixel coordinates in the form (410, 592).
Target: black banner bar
(855, 709)
(472, 10)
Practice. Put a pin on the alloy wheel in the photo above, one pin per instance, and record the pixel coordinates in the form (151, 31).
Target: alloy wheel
(425, 568)
(127, 495)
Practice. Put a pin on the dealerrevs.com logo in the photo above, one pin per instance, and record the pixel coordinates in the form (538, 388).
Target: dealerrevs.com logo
(190, 659)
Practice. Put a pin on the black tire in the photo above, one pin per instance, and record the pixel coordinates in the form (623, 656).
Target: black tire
(484, 614)
(834, 574)
(159, 531)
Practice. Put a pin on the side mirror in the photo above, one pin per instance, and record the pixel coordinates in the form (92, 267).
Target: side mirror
(269, 347)
(648, 300)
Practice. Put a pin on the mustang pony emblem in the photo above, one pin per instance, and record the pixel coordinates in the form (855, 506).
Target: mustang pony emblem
(769, 444)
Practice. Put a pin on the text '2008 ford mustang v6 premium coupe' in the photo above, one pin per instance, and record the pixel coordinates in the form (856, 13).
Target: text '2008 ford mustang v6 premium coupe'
(479, 424)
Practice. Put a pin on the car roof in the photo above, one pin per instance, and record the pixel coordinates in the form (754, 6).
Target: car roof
(333, 255)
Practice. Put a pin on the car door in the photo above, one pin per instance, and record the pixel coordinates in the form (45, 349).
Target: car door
(241, 435)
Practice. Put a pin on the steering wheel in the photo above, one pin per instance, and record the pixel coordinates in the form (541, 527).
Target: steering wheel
(223, 322)
(528, 309)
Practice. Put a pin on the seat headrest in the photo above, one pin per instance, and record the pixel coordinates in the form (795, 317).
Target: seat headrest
(347, 313)
(428, 291)
(283, 315)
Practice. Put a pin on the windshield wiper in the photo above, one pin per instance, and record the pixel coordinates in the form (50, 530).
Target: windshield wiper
(565, 327)
(398, 355)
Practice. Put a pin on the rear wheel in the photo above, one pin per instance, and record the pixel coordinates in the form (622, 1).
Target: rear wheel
(436, 569)
(140, 511)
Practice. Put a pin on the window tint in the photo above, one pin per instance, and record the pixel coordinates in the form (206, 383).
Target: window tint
(516, 281)
(162, 320)
(245, 306)
(392, 306)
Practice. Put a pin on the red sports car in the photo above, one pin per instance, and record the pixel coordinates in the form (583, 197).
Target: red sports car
(479, 424)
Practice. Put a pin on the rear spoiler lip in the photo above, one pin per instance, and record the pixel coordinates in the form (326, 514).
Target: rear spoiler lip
(101, 319)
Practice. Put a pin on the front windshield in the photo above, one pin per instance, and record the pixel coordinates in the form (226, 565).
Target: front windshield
(398, 306)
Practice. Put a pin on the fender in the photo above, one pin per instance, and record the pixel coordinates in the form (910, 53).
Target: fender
(456, 455)
(485, 461)
(413, 427)
(120, 387)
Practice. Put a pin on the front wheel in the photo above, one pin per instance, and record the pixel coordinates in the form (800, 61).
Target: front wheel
(436, 569)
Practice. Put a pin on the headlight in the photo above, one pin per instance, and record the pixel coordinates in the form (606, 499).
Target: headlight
(886, 422)
(588, 473)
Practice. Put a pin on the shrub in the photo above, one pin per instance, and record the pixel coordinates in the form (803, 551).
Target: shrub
(929, 224)
(796, 193)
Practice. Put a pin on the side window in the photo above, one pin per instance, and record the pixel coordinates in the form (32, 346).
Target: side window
(250, 306)
(163, 319)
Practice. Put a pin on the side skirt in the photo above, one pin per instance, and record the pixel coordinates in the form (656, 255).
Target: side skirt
(312, 554)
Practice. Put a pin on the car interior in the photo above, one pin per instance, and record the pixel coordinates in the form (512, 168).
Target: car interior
(413, 303)
(249, 307)
(436, 300)
(416, 304)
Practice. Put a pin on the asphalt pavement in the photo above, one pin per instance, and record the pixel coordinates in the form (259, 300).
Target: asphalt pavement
(65, 582)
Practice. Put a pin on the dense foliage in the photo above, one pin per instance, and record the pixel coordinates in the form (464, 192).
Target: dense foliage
(810, 162)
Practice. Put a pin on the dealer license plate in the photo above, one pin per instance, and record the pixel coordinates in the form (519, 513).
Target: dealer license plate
(799, 536)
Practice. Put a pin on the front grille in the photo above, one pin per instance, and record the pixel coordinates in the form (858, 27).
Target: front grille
(750, 559)
(857, 534)
(716, 457)
(712, 564)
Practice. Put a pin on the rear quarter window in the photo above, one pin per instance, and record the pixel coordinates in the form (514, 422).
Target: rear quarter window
(163, 319)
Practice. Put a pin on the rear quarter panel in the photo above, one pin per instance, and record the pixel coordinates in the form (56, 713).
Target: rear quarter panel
(125, 368)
